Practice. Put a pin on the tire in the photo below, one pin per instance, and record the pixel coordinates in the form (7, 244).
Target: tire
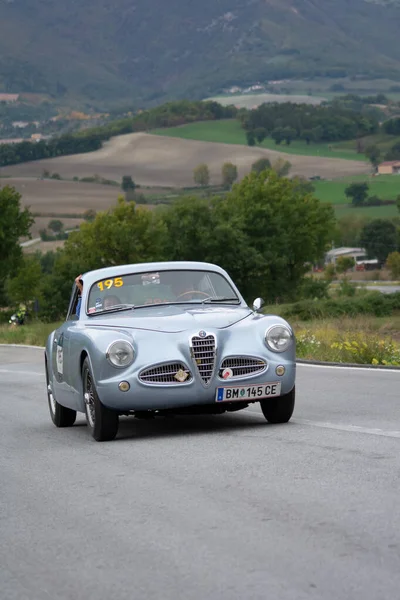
(279, 410)
(60, 415)
(102, 422)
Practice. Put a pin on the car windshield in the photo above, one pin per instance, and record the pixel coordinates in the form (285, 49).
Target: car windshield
(134, 290)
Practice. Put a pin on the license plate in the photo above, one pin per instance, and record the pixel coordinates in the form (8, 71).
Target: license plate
(248, 392)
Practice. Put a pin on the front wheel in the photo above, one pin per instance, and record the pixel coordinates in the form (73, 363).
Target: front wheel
(279, 410)
(60, 415)
(102, 422)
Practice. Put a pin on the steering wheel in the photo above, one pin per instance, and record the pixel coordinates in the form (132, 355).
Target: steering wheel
(193, 292)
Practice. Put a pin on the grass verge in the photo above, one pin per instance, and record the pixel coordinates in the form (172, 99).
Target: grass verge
(371, 341)
(32, 334)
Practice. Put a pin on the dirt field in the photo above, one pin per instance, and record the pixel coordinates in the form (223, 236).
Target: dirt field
(42, 223)
(68, 197)
(160, 161)
(43, 247)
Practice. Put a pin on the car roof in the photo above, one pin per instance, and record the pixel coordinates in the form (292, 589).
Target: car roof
(91, 276)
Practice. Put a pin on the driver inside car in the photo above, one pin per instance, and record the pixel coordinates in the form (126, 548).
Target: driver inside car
(108, 302)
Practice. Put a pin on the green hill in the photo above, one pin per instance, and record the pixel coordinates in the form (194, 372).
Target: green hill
(154, 50)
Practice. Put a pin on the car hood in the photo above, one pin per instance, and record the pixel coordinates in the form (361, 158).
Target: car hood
(173, 319)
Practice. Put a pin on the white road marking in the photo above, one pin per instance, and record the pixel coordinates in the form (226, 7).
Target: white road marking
(22, 346)
(336, 426)
(349, 428)
(19, 372)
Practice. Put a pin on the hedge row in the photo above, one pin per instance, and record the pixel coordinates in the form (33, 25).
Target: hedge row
(373, 303)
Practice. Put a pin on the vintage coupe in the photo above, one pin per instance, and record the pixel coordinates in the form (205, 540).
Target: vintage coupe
(166, 338)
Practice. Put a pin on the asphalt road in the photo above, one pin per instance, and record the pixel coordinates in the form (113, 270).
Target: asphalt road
(384, 289)
(222, 507)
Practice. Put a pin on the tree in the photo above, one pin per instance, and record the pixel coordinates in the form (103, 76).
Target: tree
(290, 134)
(229, 174)
(394, 152)
(281, 167)
(56, 225)
(277, 229)
(251, 138)
(307, 135)
(201, 175)
(262, 164)
(24, 287)
(357, 193)
(398, 203)
(373, 154)
(330, 272)
(127, 183)
(122, 235)
(15, 223)
(304, 185)
(278, 135)
(344, 263)
(393, 264)
(260, 134)
(89, 215)
(349, 229)
(190, 223)
(379, 238)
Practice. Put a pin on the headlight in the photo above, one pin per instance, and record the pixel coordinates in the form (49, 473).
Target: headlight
(279, 338)
(120, 354)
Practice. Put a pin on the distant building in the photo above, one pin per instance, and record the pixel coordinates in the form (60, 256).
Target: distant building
(390, 167)
(359, 255)
(20, 124)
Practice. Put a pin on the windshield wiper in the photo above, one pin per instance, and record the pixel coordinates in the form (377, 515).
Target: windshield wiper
(115, 308)
(220, 299)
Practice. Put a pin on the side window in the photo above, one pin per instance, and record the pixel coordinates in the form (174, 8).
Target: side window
(71, 314)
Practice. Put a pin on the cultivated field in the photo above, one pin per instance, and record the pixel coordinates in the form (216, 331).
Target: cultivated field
(62, 197)
(163, 161)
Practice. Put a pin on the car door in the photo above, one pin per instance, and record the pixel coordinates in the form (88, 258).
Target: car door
(60, 354)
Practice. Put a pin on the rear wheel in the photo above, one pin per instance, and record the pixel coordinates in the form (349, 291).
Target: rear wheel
(102, 422)
(279, 410)
(60, 415)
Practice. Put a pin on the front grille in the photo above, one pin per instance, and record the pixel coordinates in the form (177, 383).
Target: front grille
(166, 373)
(203, 353)
(243, 366)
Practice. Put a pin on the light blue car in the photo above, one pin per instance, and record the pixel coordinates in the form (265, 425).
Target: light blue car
(166, 338)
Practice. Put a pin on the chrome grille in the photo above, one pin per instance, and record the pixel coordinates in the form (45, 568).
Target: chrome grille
(203, 353)
(166, 373)
(243, 366)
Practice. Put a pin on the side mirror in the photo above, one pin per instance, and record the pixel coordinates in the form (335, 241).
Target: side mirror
(258, 304)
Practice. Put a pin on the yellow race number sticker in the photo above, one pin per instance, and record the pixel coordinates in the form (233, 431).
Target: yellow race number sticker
(109, 283)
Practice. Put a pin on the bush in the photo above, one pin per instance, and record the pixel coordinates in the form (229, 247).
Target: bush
(393, 264)
(330, 272)
(372, 303)
(346, 288)
(314, 288)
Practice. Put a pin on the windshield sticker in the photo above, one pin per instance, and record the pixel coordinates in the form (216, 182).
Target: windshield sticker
(109, 283)
(151, 278)
(99, 304)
